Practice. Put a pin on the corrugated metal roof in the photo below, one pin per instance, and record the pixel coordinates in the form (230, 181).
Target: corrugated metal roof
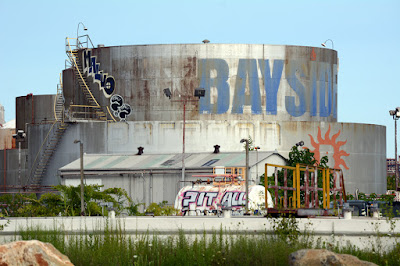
(104, 162)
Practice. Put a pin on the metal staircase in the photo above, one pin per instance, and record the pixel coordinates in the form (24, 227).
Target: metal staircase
(56, 132)
(50, 142)
(59, 103)
(92, 110)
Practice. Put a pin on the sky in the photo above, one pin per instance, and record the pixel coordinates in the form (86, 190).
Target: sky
(365, 33)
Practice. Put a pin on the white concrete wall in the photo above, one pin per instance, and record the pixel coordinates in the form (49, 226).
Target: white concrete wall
(359, 231)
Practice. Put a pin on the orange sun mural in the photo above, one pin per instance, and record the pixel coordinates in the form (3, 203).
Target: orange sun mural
(337, 153)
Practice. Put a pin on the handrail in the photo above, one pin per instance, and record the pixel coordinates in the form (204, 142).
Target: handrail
(87, 41)
(54, 107)
(79, 72)
(83, 106)
(40, 149)
(109, 112)
(56, 99)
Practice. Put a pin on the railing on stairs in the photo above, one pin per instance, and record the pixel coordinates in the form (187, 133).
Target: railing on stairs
(59, 103)
(50, 142)
(93, 109)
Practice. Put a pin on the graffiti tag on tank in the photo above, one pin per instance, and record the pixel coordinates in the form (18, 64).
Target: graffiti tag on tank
(119, 108)
(92, 69)
(106, 83)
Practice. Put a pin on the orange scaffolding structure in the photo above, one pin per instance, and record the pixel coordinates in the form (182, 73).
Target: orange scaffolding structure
(304, 191)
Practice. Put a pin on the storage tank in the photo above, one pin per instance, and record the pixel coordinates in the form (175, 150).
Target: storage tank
(241, 81)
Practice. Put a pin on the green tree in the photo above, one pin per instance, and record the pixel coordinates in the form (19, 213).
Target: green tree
(391, 182)
(251, 144)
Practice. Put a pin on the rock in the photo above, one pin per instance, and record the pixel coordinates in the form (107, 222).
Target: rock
(31, 252)
(324, 257)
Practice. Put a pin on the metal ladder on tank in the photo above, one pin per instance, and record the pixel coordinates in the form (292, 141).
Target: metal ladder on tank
(98, 113)
(50, 142)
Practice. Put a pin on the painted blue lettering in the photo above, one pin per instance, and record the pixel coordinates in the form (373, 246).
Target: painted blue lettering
(271, 83)
(110, 85)
(314, 89)
(292, 70)
(207, 66)
(247, 69)
(86, 60)
(94, 68)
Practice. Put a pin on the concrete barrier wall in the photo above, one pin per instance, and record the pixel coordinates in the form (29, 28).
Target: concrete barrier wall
(361, 232)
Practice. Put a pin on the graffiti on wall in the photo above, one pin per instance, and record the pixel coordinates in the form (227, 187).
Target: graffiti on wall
(201, 199)
(92, 69)
(313, 84)
(119, 108)
(333, 144)
(106, 84)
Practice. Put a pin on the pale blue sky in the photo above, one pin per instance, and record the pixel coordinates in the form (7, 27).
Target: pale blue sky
(365, 33)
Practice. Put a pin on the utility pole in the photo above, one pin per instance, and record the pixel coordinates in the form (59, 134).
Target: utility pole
(247, 173)
(82, 186)
(199, 92)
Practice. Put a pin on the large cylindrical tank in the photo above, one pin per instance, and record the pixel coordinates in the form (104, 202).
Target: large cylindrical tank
(241, 81)
(211, 197)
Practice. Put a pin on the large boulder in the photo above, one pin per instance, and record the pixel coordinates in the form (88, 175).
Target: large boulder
(31, 252)
(323, 257)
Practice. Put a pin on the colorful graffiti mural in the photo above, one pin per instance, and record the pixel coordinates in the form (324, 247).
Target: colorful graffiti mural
(330, 141)
(314, 85)
(209, 197)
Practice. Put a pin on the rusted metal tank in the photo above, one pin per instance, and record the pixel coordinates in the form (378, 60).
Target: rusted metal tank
(254, 81)
(208, 198)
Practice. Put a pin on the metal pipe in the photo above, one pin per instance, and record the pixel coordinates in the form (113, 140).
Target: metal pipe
(33, 115)
(19, 163)
(77, 34)
(247, 173)
(183, 141)
(82, 175)
(82, 188)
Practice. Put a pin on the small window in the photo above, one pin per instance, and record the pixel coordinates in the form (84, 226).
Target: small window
(211, 162)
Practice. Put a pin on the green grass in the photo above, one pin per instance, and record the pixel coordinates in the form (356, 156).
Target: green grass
(115, 247)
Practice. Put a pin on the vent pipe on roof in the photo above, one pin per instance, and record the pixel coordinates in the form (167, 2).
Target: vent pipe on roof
(140, 150)
(216, 148)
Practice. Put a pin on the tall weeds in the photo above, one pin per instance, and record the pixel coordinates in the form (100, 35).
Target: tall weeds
(113, 246)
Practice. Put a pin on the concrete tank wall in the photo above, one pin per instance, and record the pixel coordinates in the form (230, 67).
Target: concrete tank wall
(358, 149)
(9, 169)
(34, 109)
(242, 81)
